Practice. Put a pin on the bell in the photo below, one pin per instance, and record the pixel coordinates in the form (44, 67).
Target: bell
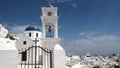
(49, 29)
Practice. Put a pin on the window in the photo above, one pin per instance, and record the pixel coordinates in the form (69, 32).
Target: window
(24, 56)
(24, 42)
(36, 34)
(29, 34)
(49, 13)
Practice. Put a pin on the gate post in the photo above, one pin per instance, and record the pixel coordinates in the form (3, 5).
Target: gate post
(50, 59)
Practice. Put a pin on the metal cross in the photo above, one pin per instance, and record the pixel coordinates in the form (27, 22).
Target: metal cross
(35, 41)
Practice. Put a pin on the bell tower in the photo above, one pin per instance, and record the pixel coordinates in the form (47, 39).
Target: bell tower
(49, 26)
(50, 39)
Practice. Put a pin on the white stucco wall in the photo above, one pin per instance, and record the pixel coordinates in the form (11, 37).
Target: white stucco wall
(45, 10)
(8, 59)
(8, 55)
(20, 45)
(33, 34)
(29, 40)
(58, 57)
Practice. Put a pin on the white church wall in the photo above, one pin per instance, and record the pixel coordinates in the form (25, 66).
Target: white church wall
(33, 34)
(8, 55)
(21, 45)
(8, 59)
(49, 42)
(50, 20)
(58, 57)
(45, 10)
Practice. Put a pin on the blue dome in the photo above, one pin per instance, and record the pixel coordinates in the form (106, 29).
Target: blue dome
(32, 28)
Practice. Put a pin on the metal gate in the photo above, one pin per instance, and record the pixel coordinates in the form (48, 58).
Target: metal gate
(35, 57)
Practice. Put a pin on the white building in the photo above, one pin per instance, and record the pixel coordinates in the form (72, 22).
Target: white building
(41, 49)
(8, 53)
(3, 31)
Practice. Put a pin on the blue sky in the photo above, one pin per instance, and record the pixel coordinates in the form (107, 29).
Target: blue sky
(85, 26)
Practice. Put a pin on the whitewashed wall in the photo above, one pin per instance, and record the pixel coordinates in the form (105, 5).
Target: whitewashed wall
(58, 57)
(8, 55)
(8, 59)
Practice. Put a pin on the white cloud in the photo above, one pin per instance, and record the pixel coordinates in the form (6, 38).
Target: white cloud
(73, 5)
(106, 44)
(59, 1)
(87, 34)
(17, 30)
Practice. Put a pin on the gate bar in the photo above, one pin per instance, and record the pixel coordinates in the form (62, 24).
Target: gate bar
(50, 59)
(35, 55)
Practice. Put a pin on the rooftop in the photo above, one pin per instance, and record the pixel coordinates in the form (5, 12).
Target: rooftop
(32, 28)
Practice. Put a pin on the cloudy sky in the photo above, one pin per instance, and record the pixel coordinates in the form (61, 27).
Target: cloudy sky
(85, 26)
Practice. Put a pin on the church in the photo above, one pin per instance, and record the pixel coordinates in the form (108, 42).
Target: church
(40, 48)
